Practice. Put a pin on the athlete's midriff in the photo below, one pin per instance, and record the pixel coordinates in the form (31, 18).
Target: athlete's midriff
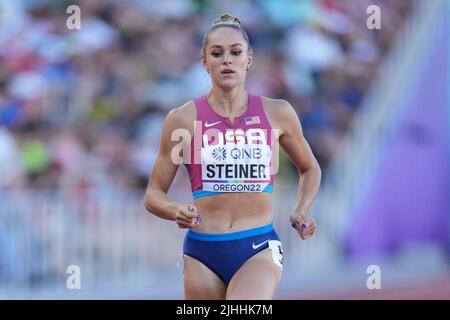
(233, 212)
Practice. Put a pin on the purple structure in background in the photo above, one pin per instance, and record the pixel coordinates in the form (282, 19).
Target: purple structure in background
(407, 202)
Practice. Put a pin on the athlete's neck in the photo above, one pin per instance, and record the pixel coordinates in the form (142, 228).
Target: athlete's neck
(228, 102)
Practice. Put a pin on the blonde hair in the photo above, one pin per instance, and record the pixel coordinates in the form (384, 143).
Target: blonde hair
(228, 21)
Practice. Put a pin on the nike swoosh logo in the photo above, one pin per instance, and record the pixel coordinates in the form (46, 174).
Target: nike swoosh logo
(207, 125)
(258, 245)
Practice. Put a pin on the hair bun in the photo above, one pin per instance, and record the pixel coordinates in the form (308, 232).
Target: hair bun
(227, 18)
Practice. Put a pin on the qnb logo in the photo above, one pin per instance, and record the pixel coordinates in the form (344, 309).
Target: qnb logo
(374, 280)
(219, 153)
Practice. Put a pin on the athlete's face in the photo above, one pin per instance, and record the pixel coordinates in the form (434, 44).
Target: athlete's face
(227, 57)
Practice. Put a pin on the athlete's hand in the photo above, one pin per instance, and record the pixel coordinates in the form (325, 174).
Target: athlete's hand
(304, 225)
(187, 216)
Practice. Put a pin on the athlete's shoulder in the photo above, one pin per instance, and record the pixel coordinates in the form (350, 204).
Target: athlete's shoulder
(275, 103)
(183, 115)
(185, 110)
(277, 108)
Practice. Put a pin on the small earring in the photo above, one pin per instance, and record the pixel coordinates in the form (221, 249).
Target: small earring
(207, 70)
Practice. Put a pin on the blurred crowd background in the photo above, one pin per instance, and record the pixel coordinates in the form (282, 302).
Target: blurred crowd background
(81, 112)
(84, 108)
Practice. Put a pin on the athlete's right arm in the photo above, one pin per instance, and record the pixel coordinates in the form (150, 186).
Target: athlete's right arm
(164, 170)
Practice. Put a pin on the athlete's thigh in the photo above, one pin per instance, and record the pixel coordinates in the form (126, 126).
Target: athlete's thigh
(200, 282)
(258, 278)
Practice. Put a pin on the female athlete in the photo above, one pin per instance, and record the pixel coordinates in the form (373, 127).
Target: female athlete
(227, 141)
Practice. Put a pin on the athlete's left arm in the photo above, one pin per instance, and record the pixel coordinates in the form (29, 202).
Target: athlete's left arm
(293, 142)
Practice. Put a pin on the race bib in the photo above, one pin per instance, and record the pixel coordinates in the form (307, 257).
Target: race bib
(236, 167)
